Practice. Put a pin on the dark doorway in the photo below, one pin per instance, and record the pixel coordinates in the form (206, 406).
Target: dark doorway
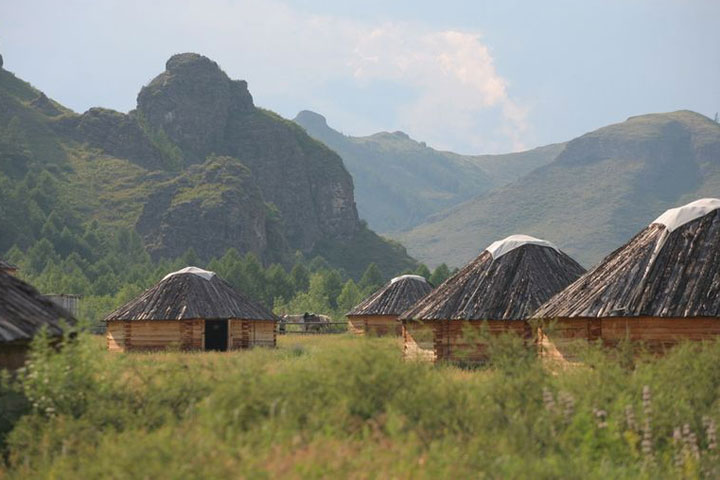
(216, 335)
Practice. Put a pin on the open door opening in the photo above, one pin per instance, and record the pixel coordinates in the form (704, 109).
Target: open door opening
(216, 335)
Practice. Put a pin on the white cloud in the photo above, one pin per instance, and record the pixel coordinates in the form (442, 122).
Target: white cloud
(454, 75)
(292, 59)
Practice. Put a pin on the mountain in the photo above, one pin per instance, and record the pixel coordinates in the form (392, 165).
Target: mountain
(196, 165)
(400, 182)
(604, 187)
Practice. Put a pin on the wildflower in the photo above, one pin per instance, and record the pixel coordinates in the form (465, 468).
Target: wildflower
(548, 400)
(567, 402)
(710, 433)
(630, 418)
(677, 443)
(647, 442)
(690, 441)
(600, 417)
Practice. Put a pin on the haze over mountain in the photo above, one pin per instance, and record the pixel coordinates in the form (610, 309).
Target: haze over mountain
(602, 188)
(400, 182)
(197, 165)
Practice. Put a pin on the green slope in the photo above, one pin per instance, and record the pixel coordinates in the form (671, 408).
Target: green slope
(400, 182)
(599, 191)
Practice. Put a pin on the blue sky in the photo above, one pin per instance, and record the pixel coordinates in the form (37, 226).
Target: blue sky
(471, 76)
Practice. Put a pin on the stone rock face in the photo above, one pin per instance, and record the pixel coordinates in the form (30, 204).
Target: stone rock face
(192, 101)
(45, 105)
(211, 207)
(115, 133)
(204, 112)
(1, 61)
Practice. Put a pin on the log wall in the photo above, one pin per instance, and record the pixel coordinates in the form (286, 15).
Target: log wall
(13, 355)
(455, 340)
(185, 334)
(155, 335)
(419, 341)
(251, 333)
(375, 325)
(563, 337)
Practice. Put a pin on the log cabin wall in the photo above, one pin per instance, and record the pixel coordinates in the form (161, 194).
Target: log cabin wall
(460, 341)
(155, 335)
(356, 324)
(455, 340)
(251, 333)
(563, 337)
(375, 325)
(418, 341)
(383, 325)
(13, 355)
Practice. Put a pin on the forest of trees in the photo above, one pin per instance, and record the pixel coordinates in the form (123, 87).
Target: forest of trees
(111, 269)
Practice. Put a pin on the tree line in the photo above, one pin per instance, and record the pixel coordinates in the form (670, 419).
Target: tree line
(115, 268)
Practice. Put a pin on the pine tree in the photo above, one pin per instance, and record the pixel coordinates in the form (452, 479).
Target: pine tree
(372, 278)
(423, 271)
(441, 273)
(349, 296)
(300, 278)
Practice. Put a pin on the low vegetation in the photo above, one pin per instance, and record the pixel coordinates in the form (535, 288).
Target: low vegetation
(344, 407)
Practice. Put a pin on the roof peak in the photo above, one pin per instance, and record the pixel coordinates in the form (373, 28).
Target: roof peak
(679, 216)
(500, 247)
(205, 274)
(408, 277)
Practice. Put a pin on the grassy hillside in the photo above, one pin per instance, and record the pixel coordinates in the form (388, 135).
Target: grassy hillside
(603, 188)
(347, 407)
(399, 182)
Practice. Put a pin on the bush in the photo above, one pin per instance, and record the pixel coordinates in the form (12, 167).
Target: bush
(344, 406)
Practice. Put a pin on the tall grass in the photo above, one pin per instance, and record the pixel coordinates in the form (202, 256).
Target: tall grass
(340, 406)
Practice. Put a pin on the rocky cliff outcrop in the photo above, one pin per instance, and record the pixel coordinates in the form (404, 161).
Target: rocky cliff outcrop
(209, 208)
(202, 111)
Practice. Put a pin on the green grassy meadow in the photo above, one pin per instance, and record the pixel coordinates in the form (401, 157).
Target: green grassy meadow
(337, 406)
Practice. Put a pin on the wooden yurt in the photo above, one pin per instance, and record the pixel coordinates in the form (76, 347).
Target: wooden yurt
(660, 287)
(191, 309)
(378, 314)
(500, 289)
(23, 312)
(7, 267)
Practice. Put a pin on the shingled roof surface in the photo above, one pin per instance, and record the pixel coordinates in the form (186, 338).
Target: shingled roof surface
(666, 270)
(394, 297)
(24, 311)
(184, 296)
(510, 287)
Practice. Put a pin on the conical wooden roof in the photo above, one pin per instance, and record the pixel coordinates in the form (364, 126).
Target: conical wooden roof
(24, 311)
(394, 297)
(669, 269)
(506, 287)
(191, 293)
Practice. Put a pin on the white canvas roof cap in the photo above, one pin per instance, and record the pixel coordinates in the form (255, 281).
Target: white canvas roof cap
(206, 274)
(408, 277)
(677, 217)
(500, 247)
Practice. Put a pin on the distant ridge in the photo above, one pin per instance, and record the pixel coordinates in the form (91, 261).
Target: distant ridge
(593, 197)
(400, 182)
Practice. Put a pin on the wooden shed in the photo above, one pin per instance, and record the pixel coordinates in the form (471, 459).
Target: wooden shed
(191, 309)
(660, 287)
(500, 289)
(378, 314)
(23, 312)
